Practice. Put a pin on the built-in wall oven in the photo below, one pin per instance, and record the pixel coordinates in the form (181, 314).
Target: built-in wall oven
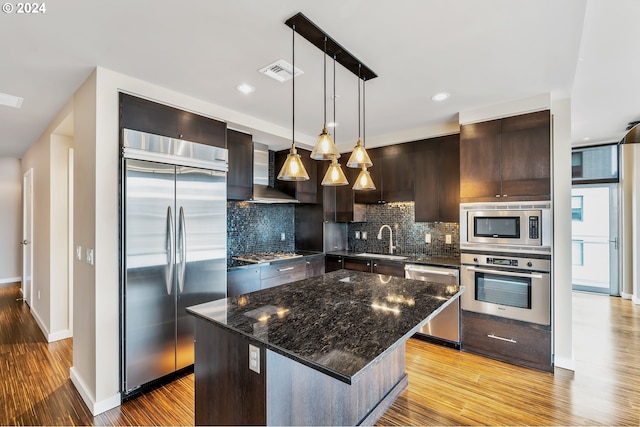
(507, 285)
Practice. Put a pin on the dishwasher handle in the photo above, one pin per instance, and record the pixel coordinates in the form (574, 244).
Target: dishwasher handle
(441, 271)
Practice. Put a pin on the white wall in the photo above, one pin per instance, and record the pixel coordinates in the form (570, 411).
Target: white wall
(48, 159)
(11, 224)
(561, 274)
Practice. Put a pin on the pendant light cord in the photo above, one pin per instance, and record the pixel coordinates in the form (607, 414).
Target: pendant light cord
(359, 66)
(293, 84)
(325, 80)
(364, 114)
(334, 99)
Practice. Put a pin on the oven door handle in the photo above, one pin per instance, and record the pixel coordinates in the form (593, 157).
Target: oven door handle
(506, 273)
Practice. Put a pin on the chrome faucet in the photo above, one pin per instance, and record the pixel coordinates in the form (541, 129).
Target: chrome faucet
(391, 247)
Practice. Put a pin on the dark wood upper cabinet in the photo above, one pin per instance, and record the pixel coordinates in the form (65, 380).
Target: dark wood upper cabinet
(240, 175)
(437, 179)
(391, 174)
(506, 159)
(148, 116)
(526, 155)
(304, 191)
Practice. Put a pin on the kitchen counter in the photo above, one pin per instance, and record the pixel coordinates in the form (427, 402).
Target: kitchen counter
(344, 332)
(234, 263)
(411, 259)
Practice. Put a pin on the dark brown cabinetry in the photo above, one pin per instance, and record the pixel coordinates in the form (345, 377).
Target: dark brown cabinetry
(283, 272)
(240, 175)
(437, 179)
(333, 263)
(388, 268)
(516, 342)
(242, 281)
(391, 174)
(148, 116)
(506, 159)
(304, 191)
(357, 264)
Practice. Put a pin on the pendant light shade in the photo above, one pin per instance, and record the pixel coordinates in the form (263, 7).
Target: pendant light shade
(334, 176)
(325, 149)
(364, 181)
(359, 157)
(293, 169)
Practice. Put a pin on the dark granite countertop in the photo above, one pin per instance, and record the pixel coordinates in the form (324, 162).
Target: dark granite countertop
(412, 259)
(234, 263)
(338, 323)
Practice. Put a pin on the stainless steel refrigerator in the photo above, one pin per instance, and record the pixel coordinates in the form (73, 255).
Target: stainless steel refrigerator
(174, 246)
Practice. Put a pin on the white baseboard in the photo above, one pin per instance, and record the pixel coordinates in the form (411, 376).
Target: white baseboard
(564, 363)
(625, 295)
(635, 299)
(94, 407)
(40, 323)
(11, 280)
(60, 335)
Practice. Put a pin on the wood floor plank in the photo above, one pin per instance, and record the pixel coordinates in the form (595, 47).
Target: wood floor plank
(446, 386)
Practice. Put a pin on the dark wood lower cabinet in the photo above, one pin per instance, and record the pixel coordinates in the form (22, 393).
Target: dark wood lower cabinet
(333, 263)
(520, 343)
(388, 268)
(357, 264)
(226, 391)
(242, 281)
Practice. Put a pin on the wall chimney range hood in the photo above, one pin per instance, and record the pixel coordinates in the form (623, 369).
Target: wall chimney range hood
(263, 190)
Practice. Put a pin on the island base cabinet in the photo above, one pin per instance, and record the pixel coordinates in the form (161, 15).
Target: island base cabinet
(226, 391)
(285, 391)
(300, 395)
(520, 343)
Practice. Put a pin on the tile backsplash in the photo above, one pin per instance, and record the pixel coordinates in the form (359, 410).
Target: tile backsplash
(408, 235)
(256, 227)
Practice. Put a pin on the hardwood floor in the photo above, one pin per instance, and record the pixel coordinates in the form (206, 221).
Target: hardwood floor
(446, 387)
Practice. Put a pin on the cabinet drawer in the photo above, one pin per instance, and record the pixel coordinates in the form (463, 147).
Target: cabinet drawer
(314, 266)
(388, 268)
(280, 273)
(516, 342)
(242, 281)
(357, 264)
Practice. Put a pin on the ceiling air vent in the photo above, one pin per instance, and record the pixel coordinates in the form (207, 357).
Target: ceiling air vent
(280, 70)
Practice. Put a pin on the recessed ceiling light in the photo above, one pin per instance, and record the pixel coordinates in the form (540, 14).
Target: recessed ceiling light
(586, 139)
(10, 100)
(245, 88)
(440, 96)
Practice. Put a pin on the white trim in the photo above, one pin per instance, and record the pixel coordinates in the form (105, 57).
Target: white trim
(11, 280)
(565, 363)
(635, 300)
(71, 255)
(60, 335)
(511, 108)
(94, 407)
(40, 323)
(625, 295)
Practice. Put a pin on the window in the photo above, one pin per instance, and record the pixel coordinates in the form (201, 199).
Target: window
(576, 208)
(590, 165)
(577, 252)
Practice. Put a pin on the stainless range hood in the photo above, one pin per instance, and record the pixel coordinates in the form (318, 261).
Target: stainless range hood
(262, 191)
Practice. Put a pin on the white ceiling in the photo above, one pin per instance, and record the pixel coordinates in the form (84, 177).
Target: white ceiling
(483, 52)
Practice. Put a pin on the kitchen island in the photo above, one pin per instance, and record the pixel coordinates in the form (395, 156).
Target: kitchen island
(321, 351)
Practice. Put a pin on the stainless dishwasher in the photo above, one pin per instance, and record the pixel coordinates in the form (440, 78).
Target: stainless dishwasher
(445, 327)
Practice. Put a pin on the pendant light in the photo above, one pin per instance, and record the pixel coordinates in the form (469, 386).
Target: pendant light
(334, 176)
(293, 169)
(364, 181)
(325, 149)
(359, 157)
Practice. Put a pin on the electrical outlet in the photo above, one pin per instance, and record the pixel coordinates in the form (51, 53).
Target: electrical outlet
(38, 294)
(357, 235)
(447, 239)
(364, 235)
(254, 358)
(282, 237)
(90, 256)
(427, 238)
(79, 253)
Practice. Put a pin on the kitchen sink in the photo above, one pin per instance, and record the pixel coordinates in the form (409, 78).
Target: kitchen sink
(381, 256)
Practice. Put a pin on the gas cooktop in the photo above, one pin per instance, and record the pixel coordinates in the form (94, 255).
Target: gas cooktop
(265, 256)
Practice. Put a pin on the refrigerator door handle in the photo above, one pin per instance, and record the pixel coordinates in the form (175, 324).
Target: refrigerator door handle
(171, 246)
(183, 251)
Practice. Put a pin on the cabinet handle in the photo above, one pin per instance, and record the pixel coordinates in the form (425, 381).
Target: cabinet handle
(497, 195)
(286, 268)
(308, 262)
(495, 337)
(504, 195)
(375, 265)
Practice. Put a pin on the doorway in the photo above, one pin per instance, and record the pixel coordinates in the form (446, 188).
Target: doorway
(27, 237)
(594, 238)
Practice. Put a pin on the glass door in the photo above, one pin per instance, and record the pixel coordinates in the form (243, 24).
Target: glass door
(595, 243)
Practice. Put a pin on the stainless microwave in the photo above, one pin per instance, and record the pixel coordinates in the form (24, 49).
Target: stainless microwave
(506, 224)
